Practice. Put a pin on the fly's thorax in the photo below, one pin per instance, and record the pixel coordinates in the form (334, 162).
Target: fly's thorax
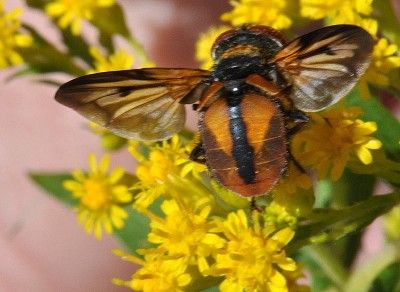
(241, 52)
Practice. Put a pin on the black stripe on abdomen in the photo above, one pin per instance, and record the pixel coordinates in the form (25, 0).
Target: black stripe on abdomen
(242, 152)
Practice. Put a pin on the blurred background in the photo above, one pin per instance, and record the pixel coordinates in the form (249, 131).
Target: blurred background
(42, 248)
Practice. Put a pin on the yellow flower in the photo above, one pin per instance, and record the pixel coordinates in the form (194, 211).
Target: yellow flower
(169, 172)
(384, 61)
(158, 273)
(335, 137)
(101, 197)
(293, 197)
(205, 43)
(72, 12)
(119, 60)
(253, 257)
(337, 11)
(262, 12)
(277, 215)
(182, 240)
(185, 230)
(10, 38)
(295, 179)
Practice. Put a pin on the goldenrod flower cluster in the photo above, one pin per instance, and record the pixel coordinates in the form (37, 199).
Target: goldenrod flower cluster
(71, 13)
(194, 247)
(260, 12)
(335, 137)
(119, 60)
(11, 37)
(101, 197)
(195, 239)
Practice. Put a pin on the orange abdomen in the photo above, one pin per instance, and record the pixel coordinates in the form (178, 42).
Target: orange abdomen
(245, 144)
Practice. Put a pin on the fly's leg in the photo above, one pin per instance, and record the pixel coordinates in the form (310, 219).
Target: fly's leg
(296, 163)
(300, 119)
(197, 154)
(253, 205)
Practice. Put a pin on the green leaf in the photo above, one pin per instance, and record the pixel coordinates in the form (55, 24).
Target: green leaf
(39, 4)
(350, 189)
(388, 280)
(53, 184)
(111, 20)
(134, 233)
(212, 289)
(324, 267)
(325, 225)
(77, 46)
(43, 57)
(388, 126)
(388, 22)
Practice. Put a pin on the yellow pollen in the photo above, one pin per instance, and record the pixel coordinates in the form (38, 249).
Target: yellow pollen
(96, 194)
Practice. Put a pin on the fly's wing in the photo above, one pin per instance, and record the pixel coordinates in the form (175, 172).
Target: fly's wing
(142, 104)
(324, 65)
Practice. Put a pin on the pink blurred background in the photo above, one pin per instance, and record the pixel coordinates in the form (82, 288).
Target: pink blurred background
(42, 248)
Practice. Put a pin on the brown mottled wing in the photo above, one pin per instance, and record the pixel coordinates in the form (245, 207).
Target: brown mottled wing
(142, 104)
(324, 65)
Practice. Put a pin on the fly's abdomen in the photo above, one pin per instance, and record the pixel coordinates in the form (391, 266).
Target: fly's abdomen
(245, 144)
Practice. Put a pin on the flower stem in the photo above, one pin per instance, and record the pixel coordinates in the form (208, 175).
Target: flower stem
(362, 277)
(139, 51)
(332, 268)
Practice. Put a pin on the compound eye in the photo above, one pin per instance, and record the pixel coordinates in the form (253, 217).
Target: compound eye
(268, 32)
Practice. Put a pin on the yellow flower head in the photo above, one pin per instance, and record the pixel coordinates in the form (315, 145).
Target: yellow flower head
(10, 37)
(384, 61)
(335, 137)
(337, 11)
(167, 171)
(158, 273)
(205, 43)
(185, 230)
(161, 274)
(72, 12)
(120, 60)
(253, 257)
(261, 12)
(100, 197)
(295, 179)
(278, 216)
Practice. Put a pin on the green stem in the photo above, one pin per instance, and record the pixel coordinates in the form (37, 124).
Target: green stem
(329, 264)
(139, 51)
(361, 279)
